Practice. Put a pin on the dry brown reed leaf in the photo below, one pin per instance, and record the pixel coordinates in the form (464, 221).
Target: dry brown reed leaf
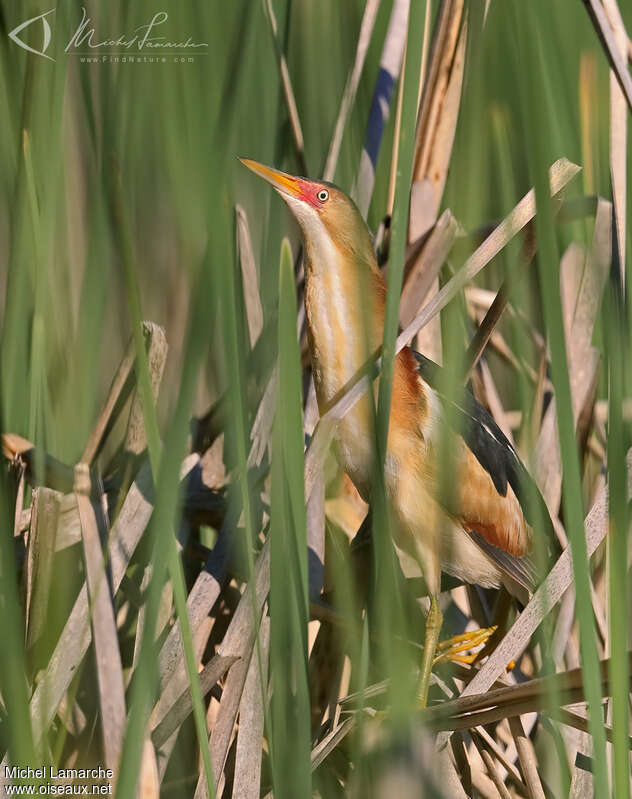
(94, 530)
(471, 710)
(148, 781)
(528, 760)
(608, 41)
(38, 567)
(496, 309)
(250, 276)
(240, 633)
(438, 114)
(501, 755)
(169, 696)
(119, 392)
(582, 281)
(436, 127)
(236, 644)
(75, 637)
(14, 445)
(39, 468)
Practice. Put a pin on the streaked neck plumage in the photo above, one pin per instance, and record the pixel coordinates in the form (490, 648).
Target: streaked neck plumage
(344, 297)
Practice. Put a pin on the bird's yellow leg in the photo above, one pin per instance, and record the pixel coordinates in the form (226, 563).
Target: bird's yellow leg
(433, 628)
(454, 647)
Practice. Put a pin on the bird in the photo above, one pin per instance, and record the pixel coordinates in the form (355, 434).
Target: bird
(484, 533)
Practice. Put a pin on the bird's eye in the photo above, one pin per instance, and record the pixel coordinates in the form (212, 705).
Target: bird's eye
(323, 195)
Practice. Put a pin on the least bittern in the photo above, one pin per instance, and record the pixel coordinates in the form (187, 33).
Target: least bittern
(484, 535)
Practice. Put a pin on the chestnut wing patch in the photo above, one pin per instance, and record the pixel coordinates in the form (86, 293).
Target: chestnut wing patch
(500, 491)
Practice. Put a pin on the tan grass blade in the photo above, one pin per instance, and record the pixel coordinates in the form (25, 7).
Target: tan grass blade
(237, 643)
(560, 174)
(200, 602)
(182, 707)
(423, 269)
(261, 430)
(157, 348)
(247, 780)
(222, 731)
(494, 775)
(351, 87)
(496, 309)
(164, 615)
(582, 783)
(288, 91)
(331, 741)
(618, 134)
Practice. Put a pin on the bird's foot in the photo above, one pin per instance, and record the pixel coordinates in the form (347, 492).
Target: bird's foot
(458, 648)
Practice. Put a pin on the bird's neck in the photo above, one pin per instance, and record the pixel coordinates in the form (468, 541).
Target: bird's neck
(344, 302)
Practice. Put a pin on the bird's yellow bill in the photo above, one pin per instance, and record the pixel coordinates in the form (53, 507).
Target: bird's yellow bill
(280, 180)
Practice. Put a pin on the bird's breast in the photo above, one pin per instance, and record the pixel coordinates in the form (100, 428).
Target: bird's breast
(337, 353)
(344, 304)
(342, 336)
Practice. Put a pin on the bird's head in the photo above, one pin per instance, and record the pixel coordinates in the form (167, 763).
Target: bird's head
(324, 212)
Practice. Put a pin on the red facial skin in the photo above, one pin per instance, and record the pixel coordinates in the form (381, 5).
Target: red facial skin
(309, 192)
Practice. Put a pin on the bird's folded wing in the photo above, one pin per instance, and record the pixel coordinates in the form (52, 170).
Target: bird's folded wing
(497, 500)
(521, 569)
(496, 515)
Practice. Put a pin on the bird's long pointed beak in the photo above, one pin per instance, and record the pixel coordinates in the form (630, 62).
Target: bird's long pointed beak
(283, 183)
